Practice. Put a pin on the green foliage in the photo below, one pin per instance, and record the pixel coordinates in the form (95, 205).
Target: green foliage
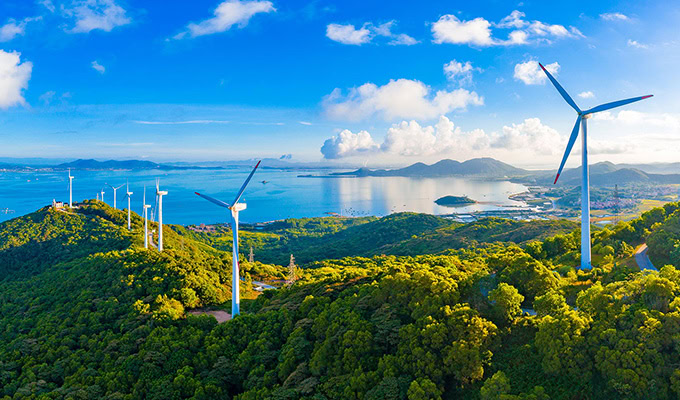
(86, 312)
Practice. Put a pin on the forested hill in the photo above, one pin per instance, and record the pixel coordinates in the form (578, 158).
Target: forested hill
(87, 313)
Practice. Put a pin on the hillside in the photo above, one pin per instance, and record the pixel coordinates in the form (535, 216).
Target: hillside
(106, 319)
(480, 167)
(603, 174)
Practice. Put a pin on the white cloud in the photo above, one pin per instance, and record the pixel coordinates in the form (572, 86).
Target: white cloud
(14, 77)
(348, 144)
(586, 95)
(637, 45)
(530, 135)
(401, 98)
(615, 16)
(13, 28)
(90, 15)
(459, 72)
(449, 29)
(305, 123)
(514, 20)
(227, 14)
(478, 31)
(410, 139)
(397, 38)
(531, 74)
(98, 67)
(348, 34)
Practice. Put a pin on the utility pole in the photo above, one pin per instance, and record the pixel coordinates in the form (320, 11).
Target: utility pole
(251, 256)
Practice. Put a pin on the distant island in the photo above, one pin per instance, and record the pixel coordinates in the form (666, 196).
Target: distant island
(454, 201)
(477, 167)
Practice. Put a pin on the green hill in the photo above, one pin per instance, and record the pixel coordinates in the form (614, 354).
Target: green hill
(105, 319)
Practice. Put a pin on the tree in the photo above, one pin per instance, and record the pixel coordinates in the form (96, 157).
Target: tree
(507, 300)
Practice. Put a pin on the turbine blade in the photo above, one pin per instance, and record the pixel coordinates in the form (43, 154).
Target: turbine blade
(560, 89)
(213, 200)
(614, 104)
(572, 139)
(240, 192)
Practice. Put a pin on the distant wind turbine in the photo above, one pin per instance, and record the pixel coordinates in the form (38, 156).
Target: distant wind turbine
(146, 226)
(97, 196)
(70, 189)
(159, 197)
(581, 121)
(235, 207)
(102, 195)
(128, 194)
(114, 194)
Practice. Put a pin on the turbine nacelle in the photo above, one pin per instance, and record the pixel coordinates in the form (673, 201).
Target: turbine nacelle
(238, 207)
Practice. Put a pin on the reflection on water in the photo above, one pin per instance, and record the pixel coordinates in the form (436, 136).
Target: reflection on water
(285, 195)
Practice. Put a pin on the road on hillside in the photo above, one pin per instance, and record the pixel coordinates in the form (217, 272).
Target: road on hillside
(642, 259)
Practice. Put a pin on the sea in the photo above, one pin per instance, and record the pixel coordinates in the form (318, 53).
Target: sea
(272, 194)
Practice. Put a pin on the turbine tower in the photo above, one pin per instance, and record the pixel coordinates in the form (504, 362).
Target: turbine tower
(70, 189)
(582, 121)
(114, 194)
(235, 207)
(146, 226)
(102, 192)
(159, 197)
(128, 194)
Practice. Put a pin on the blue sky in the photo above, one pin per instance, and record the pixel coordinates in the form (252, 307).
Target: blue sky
(354, 81)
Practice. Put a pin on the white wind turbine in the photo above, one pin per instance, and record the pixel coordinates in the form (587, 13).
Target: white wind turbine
(102, 192)
(235, 207)
(70, 189)
(128, 194)
(146, 223)
(581, 121)
(97, 196)
(114, 194)
(159, 197)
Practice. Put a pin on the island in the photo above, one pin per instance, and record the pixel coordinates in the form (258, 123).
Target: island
(454, 201)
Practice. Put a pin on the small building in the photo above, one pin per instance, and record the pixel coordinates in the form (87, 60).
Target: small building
(57, 205)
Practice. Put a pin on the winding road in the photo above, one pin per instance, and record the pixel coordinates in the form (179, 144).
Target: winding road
(642, 259)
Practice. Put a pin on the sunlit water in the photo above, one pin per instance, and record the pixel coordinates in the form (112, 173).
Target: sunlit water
(285, 195)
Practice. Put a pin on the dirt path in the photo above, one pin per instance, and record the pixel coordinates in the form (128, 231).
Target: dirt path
(220, 315)
(642, 259)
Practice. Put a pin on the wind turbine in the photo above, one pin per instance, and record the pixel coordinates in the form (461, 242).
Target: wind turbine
(114, 194)
(159, 196)
(582, 121)
(235, 207)
(128, 194)
(70, 189)
(146, 227)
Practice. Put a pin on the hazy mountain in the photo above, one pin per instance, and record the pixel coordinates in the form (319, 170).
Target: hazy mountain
(602, 174)
(110, 164)
(481, 167)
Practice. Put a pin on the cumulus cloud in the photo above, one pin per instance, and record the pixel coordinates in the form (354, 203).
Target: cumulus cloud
(89, 15)
(409, 138)
(459, 72)
(349, 34)
(14, 77)
(478, 31)
(15, 28)
(401, 98)
(348, 144)
(98, 67)
(450, 29)
(586, 95)
(226, 15)
(614, 16)
(531, 135)
(531, 74)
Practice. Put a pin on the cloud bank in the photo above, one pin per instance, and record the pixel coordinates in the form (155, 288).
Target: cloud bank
(349, 34)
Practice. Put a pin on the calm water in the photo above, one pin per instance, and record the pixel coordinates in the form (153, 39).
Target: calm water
(285, 195)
